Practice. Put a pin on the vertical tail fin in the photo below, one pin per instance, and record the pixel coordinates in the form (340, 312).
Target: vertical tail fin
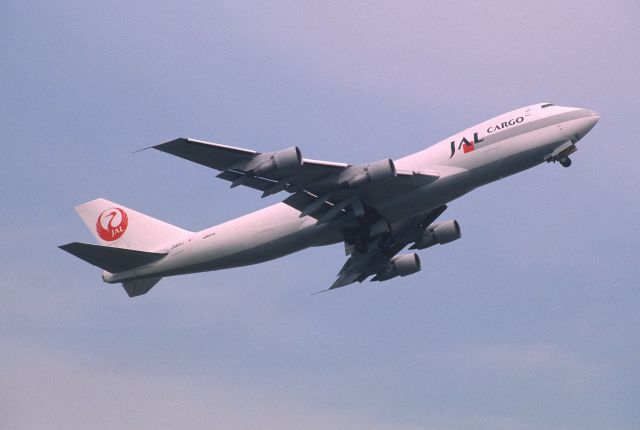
(118, 226)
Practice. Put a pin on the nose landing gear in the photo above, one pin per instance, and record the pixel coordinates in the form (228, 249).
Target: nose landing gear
(561, 154)
(564, 161)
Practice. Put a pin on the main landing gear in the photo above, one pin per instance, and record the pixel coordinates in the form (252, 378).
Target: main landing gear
(364, 230)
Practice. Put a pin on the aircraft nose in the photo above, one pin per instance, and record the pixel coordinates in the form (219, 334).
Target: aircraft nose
(589, 120)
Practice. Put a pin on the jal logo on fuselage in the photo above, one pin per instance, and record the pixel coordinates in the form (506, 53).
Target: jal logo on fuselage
(465, 144)
(468, 145)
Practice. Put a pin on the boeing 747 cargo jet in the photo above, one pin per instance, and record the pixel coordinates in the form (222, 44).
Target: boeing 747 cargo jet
(375, 209)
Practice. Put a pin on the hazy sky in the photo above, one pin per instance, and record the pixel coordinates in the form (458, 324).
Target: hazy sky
(530, 321)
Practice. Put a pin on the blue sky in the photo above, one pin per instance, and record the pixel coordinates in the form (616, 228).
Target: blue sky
(530, 321)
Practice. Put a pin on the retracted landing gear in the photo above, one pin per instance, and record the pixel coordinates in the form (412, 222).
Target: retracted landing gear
(564, 161)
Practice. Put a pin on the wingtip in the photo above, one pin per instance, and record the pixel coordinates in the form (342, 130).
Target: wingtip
(142, 149)
(160, 146)
(322, 291)
(167, 144)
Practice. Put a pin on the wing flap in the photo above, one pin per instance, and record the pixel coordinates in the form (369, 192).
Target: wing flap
(303, 200)
(419, 177)
(360, 266)
(239, 178)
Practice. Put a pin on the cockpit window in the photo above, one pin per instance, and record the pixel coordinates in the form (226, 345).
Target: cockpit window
(546, 105)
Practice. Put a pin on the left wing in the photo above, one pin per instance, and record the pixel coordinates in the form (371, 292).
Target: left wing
(268, 172)
(322, 189)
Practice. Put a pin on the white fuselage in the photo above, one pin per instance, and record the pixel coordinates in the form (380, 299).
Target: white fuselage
(496, 148)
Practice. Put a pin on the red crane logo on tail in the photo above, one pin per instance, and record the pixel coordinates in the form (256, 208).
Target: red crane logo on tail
(111, 224)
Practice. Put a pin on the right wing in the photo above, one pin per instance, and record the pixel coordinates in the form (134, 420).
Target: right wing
(379, 252)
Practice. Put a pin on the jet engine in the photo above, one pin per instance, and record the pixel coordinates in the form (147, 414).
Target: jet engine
(400, 265)
(374, 172)
(286, 159)
(443, 232)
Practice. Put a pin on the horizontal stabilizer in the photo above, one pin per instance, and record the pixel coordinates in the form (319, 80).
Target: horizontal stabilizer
(139, 287)
(111, 259)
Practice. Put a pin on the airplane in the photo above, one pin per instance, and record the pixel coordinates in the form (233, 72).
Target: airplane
(375, 209)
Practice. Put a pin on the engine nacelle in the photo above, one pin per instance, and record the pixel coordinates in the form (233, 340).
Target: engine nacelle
(443, 232)
(374, 172)
(400, 265)
(286, 159)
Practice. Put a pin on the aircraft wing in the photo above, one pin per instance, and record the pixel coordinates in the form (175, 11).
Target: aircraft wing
(250, 168)
(379, 251)
(361, 265)
(322, 189)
